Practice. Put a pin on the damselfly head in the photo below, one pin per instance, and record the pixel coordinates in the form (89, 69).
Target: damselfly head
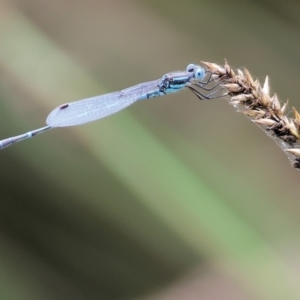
(197, 72)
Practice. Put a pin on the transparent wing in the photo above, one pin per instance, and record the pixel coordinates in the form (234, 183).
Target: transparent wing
(98, 107)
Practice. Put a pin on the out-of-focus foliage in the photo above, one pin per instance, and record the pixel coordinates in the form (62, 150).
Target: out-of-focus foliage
(173, 198)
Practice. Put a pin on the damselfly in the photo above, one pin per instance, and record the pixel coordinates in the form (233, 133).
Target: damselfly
(95, 108)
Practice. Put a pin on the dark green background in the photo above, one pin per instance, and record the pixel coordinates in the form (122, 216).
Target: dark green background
(172, 198)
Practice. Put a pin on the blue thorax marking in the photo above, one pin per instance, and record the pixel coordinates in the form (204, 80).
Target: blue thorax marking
(168, 84)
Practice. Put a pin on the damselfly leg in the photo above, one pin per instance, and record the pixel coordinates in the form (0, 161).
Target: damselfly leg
(209, 96)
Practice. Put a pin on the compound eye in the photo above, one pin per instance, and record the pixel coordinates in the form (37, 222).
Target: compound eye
(200, 73)
(191, 68)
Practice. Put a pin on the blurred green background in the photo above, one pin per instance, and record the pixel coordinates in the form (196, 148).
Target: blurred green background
(173, 198)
